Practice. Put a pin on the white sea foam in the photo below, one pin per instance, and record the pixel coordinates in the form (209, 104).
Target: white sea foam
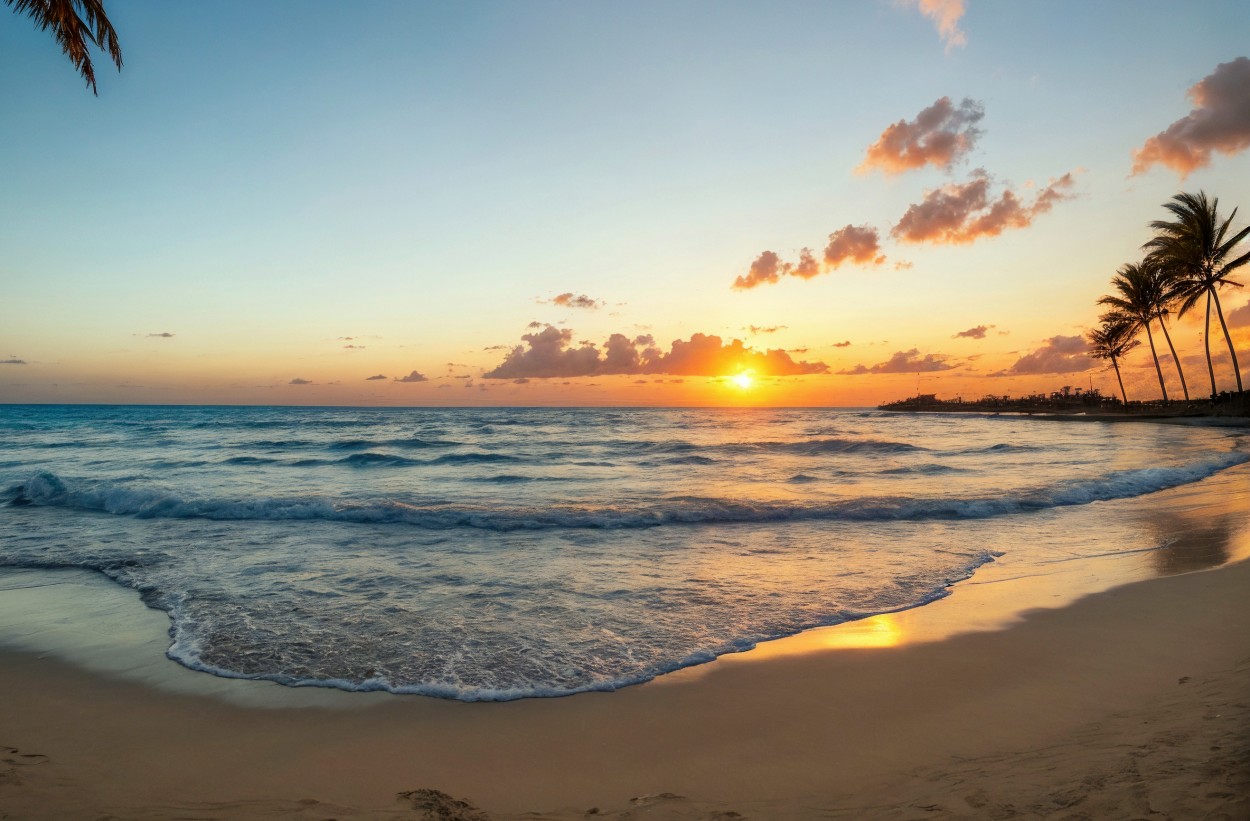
(492, 554)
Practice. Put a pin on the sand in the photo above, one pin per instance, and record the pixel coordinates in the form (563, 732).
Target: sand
(1013, 697)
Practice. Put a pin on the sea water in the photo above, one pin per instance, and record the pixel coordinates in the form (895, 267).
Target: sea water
(503, 553)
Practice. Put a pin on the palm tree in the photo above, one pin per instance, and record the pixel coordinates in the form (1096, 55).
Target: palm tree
(75, 23)
(1143, 295)
(1196, 250)
(1115, 337)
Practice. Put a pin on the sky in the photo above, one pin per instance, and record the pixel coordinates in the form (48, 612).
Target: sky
(593, 203)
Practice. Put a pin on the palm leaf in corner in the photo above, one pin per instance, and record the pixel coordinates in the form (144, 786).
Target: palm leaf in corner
(75, 24)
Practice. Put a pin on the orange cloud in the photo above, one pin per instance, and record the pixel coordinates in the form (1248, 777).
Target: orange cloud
(1221, 122)
(412, 377)
(1238, 318)
(807, 267)
(939, 136)
(962, 213)
(973, 333)
(571, 300)
(551, 354)
(1060, 354)
(767, 267)
(945, 15)
(905, 362)
(859, 244)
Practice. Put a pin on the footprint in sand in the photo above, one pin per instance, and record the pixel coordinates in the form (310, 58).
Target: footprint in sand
(12, 760)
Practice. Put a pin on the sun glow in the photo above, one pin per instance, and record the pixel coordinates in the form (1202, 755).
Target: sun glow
(743, 380)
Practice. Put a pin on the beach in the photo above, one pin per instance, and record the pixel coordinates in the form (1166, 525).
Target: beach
(1012, 697)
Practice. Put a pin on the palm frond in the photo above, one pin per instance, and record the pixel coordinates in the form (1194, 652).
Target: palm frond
(74, 31)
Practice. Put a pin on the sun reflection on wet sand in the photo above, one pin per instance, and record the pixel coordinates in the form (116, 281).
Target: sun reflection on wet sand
(1193, 528)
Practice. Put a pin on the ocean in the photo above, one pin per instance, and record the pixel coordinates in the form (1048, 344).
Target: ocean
(502, 553)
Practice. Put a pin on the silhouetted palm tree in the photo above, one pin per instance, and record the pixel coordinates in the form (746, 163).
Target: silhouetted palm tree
(1143, 294)
(1115, 337)
(1196, 251)
(75, 23)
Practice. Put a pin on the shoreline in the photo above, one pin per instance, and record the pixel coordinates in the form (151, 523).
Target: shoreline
(90, 621)
(1102, 416)
(1231, 410)
(882, 716)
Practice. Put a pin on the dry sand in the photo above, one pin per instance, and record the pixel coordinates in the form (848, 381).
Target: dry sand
(1128, 703)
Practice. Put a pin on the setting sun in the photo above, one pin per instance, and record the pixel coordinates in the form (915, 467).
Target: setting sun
(743, 380)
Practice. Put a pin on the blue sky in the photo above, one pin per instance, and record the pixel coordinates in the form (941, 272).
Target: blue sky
(265, 179)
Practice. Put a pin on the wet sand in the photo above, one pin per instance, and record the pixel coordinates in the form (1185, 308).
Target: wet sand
(1006, 699)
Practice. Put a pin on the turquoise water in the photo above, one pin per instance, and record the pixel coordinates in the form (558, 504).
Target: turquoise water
(503, 553)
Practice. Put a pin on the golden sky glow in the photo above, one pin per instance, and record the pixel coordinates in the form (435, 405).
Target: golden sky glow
(493, 205)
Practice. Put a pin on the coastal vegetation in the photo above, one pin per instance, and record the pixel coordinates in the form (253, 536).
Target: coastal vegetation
(74, 25)
(1111, 340)
(1189, 259)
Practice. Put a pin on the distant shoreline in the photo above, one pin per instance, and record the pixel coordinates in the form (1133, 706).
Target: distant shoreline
(1228, 410)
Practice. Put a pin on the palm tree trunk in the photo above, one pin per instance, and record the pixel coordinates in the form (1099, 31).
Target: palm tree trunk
(1158, 370)
(1175, 358)
(1228, 339)
(1119, 379)
(1206, 340)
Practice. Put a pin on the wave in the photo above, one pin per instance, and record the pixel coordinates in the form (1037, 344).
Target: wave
(188, 650)
(49, 490)
(802, 447)
(372, 459)
(513, 479)
(932, 469)
(692, 459)
(1004, 447)
(413, 443)
(821, 447)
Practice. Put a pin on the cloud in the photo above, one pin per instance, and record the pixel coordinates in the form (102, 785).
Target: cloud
(162, 335)
(1221, 122)
(571, 300)
(375, 377)
(903, 265)
(764, 329)
(905, 362)
(536, 324)
(767, 267)
(807, 266)
(12, 361)
(973, 333)
(551, 354)
(844, 344)
(354, 347)
(945, 15)
(1238, 317)
(860, 244)
(1060, 354)
(299, 381)
(962, 213)
(412, 377)
(939, 136)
